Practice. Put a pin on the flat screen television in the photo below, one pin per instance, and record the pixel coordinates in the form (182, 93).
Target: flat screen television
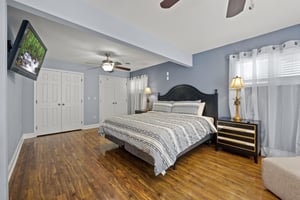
(27, 53)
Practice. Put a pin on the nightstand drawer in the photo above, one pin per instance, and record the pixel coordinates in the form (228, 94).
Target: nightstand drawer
(247, 146)
(244, 129)
(241, 137)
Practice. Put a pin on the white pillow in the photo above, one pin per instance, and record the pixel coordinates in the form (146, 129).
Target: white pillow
(188, 107)
(201, 108)
(162, 106)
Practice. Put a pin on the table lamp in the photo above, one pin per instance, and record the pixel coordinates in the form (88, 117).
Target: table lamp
(237, 83)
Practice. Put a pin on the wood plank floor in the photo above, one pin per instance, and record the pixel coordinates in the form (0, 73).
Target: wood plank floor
(82, 165)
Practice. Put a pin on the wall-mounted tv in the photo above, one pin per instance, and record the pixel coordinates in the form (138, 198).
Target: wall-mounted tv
(28, 52)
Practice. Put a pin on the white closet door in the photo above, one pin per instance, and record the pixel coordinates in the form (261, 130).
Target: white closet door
(72, 102)
(120, 86)
(106, 97)
(48, 102)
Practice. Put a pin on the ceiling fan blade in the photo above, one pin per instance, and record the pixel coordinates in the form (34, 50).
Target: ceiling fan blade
(122, 68)
(235, 7)
(117, 63)
(93, 68)
(168, 3)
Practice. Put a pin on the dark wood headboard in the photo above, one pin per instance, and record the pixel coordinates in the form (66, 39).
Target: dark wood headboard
(190, 93)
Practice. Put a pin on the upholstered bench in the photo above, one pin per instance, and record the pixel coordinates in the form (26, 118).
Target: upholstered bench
(281, 175)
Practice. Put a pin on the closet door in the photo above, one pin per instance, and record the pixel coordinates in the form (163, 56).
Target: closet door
(48, 102)
(71, 101)
(112, 97)
(120, 96)
(106, 97)
(59, 101)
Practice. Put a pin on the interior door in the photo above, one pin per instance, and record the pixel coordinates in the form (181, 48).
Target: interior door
(106, 97)
(48, 102)
(120, 94)
(72, 101)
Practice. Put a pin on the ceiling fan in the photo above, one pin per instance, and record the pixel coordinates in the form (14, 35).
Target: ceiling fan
(234, 6)
(109, 65)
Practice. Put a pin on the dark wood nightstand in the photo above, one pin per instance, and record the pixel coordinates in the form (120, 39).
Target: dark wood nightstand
(239, 136)
(140, 111)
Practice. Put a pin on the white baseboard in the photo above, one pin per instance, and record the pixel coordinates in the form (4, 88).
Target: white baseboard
(15, 156)
(14, 159)
(29, 135)
(90, 126)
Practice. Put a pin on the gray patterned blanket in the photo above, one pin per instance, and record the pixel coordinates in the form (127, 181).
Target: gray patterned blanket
(161, 135)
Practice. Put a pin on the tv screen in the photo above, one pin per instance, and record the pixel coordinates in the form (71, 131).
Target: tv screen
(28, 52)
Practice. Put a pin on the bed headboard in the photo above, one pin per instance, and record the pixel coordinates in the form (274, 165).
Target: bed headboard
(190, 93)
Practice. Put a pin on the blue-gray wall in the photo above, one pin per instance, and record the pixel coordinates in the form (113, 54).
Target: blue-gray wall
(14, 111)
(210, 68)
(3, 103)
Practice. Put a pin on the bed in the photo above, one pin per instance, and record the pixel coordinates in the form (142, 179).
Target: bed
(160, 138)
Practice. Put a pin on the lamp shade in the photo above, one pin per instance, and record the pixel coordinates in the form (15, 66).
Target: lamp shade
(108, 67)
(237, 83)
(147, 90)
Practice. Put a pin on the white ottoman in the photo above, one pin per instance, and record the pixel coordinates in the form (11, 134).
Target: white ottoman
(281, 175)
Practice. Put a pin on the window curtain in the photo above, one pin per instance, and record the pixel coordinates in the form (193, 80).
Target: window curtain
(271, 94)
(137, 98)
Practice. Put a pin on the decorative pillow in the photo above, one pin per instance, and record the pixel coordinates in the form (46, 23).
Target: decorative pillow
(194, 108)
(162, 106)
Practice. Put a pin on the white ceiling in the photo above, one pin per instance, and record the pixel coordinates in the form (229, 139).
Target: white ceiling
(191, 26)
(70, 45)
(199, 25)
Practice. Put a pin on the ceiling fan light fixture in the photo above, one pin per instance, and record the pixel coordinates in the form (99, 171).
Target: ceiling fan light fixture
(108, 67)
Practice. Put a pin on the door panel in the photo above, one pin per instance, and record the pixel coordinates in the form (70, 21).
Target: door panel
(71, 101)
(113, 97)
(106, 98)
(48, 105)
(120, 85)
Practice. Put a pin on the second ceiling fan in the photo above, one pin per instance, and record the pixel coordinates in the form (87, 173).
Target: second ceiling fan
(234, 6)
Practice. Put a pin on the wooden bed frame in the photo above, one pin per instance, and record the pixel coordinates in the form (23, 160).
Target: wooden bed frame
(179, 93)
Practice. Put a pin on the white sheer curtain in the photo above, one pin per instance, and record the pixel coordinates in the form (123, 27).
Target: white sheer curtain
(137, 98)
(271, 94)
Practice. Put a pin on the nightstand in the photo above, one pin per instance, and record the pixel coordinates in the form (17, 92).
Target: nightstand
(242, 136)
(140, 111)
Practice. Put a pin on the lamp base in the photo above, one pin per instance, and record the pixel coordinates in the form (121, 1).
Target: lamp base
(237, 118)
(237, 104)
(147, 104)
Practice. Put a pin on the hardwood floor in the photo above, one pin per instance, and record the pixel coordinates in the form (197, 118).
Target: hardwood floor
(83, 165)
